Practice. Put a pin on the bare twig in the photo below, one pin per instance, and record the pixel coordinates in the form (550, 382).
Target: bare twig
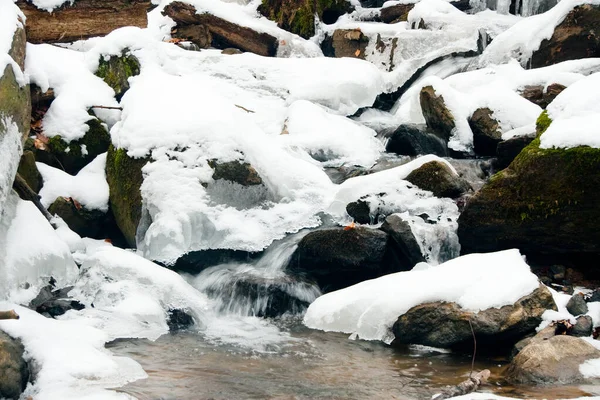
(244, 108)
(474, 349)
(108, 108)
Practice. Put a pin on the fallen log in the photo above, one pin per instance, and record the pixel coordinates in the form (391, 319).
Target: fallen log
(465, 387)
(207, 29)
(82, 19)
(26, 193)
(9, 315)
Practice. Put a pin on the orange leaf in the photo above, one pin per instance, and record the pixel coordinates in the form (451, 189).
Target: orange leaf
(350, 227)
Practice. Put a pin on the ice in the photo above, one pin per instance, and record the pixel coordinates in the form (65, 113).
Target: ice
(524, 38)
(475, 282)
(575, 116)
(10, 153)
(88, 187)
(69, 358)
(30, 252)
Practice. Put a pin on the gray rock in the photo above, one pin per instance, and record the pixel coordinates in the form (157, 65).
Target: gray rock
(486, 132)
(14, 372)
(442, 324)
(404, 239)
(577, 304)
(438, 178)
(412, 140)
(583, 327)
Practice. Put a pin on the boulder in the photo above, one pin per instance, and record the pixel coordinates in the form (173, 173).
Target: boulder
(574, 38)
(413, 140)
(583, 326)
(438, 178)
(340, 257)
(441, 324)
(116, 71)
(508, 150)
(360, 211)
(124, 177)
(72, 156)
(345, 43)
(195, 262)
(403, 238)
(437, 116)
(298, 16)
(29, 171)
(544, 203)
(542, 96)
(486, 132)
(14, 371)
(396, 13)
(555, 360)
(235, 171)
(577, 305)
(52, 303)
(206, 29)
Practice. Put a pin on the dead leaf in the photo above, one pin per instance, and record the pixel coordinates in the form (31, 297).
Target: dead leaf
(350, 227)
(357, 53)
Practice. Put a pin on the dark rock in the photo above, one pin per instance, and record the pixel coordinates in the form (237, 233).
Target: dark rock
(179, 320)
(396, 13)
(338, 258)
(577, 305)
(29, 171)
(438, 178)
(199, 28)
(541, 97)
(14, 371)
(558, 272)
(298, 16)
(555, 361)
(595, 296)
(124, 177)
(359, 210)
(235, 171)
(545, 203)
(345, 43)
(486, 132)
(52, 303)
(197, 261)
(446, 325)
(574, 38)
(583, 327)
(116, 71)
(372, 3)
(508, 150)
(413, 140)
(437, 116)
(403, 238)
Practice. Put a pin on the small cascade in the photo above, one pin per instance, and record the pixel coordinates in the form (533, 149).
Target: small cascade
(524, 8)
(261, 288)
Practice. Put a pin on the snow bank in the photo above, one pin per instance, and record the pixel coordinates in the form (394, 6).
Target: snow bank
(30, 252)
(10, 20)
(88, 187)
(575, 116)
(524, 38)
(475, 282)
(69, 359)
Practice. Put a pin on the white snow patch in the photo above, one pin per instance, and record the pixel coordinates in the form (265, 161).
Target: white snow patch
(475, 282)
(11, 18)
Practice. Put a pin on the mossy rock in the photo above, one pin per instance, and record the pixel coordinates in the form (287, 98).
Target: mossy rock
(437, 116)
(73, 156)
(124, 177)
(86, 223)
(116, 72)
(486, 132)
(29, 171)
(438, 178)
(545, 203)
(298, 16)
(235, 171)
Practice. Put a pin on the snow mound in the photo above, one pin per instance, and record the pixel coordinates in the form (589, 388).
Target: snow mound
(575, 116)
(30, 252)
(88, 187)
(475, 282)
(69, 358)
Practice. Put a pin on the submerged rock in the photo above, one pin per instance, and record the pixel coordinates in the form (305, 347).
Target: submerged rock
(14, 371)
(124, 177)
(116, 71)
(442, 324)
(574, 38)
(486, 132)
(413, 140)
(438, 178)
(554, 360)
(337, 258)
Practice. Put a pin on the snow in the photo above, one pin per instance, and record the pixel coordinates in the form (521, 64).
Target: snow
(524, 38)
(11, 18)
(30, 252)
(575, 116)
(69, 358)
(10, 153)
(88, 187)
(475, 282)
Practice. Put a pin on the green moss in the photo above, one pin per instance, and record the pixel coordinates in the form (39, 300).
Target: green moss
(28, 171)
(542, 123)
(124, 176)
(117, 70)
(303, 22)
